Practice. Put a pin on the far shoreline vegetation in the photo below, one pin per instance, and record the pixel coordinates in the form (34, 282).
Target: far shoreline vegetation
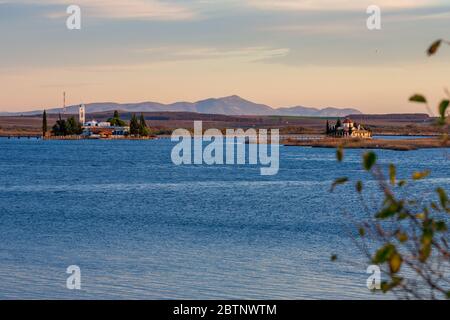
(315, 132)
(360, 143)
(113, 127)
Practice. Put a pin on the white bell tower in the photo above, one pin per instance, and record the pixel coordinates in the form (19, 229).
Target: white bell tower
(82, 114)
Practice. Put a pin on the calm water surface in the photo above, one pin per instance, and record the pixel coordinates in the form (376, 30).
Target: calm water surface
(140, 227)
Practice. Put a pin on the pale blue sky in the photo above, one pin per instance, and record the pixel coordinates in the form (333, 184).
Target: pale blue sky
(280, 52)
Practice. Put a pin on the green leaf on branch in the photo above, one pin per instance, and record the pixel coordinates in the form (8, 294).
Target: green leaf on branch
(418, 98)
(386, 213)
(392, 173)
(395, 262)
(434, 206)
(362, 232)
(424, 253)
(340, 154)
(402, 237)
(420, 216)
(338, 182)
(388, 286)
(385, 286)
(443, 197)
(390, 209)
(425, 247)
(359, 186)
(369, 160)
(434, 47)
(421, 175)
(443, 106)
(384, 253)
(441, 226)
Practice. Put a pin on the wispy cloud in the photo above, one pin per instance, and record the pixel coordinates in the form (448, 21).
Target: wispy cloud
(337, 4)
(118, 9)
(210, 53)
(314, 30)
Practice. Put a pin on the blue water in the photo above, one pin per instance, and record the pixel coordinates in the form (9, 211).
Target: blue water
(140, 227)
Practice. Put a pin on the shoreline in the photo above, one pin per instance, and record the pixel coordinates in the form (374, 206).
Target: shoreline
(72, 138)
(397, 145)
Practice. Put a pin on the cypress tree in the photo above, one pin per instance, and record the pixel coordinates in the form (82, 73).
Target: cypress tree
(134, 125)
(143, 129)
(116, 121)
(44, 124)
(60, 128)
(73, 127)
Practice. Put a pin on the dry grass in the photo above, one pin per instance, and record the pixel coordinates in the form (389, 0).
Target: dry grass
(167, 121)
(399, 145)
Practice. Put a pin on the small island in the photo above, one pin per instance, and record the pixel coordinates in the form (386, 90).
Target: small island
(348, 129)
(113, 128)
(352, 136)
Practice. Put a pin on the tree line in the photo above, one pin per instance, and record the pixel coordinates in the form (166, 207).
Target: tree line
(67, 127)
(331, 130)
(63, 127)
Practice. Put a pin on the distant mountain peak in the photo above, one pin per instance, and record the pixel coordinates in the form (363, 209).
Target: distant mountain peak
(233, 97)
(229, 105)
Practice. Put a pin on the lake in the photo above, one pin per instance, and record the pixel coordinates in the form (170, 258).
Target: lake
(140, 227)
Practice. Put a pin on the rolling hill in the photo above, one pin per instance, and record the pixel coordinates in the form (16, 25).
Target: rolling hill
(232, 105)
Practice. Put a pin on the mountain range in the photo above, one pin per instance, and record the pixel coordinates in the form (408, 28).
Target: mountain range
(232, 105)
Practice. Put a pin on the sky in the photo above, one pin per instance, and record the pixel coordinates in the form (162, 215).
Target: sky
(314, 53)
